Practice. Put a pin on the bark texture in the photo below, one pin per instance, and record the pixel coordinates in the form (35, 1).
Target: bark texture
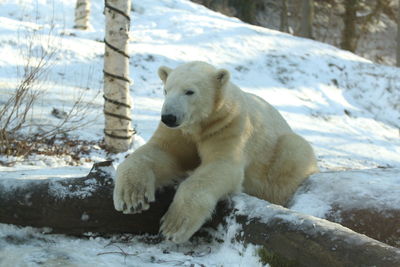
(307, 18)
(76, 206)
(349, 33)
(284, 23)
(117, 105)
(294, 239)
(245, 10)
(82, 14)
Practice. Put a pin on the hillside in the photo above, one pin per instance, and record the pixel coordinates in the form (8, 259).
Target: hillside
(346, 106)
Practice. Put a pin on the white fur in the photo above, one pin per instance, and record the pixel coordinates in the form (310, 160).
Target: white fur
(227, 139)
(176, 103)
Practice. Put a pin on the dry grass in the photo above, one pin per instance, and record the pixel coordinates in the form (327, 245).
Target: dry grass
(17, 111)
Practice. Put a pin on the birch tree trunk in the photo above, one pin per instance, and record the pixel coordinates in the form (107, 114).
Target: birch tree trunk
(117, 106)
(307, 17)
(82, 14)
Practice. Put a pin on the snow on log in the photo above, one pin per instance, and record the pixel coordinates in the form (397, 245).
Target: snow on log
(77, 206)
(295, 239)
(366, 201)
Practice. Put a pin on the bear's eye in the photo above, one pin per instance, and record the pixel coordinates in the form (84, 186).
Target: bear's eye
(189, 92)
(165, 92)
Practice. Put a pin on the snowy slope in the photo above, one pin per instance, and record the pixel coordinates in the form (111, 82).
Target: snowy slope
(346, 106)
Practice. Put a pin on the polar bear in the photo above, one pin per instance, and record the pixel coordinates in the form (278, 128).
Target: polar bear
(228, 140)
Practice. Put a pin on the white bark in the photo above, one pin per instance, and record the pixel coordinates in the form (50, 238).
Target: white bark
(117, 107)
(82, 14)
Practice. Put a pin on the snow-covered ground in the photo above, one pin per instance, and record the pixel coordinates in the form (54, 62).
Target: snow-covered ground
(346, 106)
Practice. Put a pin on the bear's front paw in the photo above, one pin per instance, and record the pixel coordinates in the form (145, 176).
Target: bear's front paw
(133, 193)
(181, 221)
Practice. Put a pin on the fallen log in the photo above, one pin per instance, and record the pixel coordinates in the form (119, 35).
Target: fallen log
(77, 206)
(366, 201)
(295, 239)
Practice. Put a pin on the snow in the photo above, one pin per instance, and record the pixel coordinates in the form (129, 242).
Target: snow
(346, 106)
(374, 189)
(265, 212)
(29, 247)
(61, 191)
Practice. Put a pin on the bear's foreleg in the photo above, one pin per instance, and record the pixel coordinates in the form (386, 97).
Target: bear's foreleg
(197, 197)
(140, 174)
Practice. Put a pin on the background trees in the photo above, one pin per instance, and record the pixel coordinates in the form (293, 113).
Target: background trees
(118, 131)
(349, 32)
(307, 18)
(366, 27)
(82, 14)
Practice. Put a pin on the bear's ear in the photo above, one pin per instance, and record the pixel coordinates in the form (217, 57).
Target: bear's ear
(163, 73)
(222, 76)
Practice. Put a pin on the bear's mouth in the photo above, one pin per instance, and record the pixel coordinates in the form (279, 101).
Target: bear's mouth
(172, 125)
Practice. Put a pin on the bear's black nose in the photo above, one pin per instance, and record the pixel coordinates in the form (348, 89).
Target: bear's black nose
(169, 120)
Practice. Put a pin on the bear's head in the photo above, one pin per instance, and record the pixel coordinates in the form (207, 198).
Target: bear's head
(193, 91)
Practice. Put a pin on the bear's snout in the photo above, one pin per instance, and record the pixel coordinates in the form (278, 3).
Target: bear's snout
(169, 120)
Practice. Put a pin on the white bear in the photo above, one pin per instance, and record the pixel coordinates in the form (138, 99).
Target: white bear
(228, 140)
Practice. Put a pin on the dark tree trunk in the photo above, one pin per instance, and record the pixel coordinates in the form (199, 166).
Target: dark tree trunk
(246, 10)
(249, 12)
(307, 18)
(284, 24)
(76, 206)
(349, 33)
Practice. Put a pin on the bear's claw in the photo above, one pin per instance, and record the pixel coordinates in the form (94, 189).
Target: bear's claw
(133, 194)
(178, 227)
(177, 231)
(138, 208)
